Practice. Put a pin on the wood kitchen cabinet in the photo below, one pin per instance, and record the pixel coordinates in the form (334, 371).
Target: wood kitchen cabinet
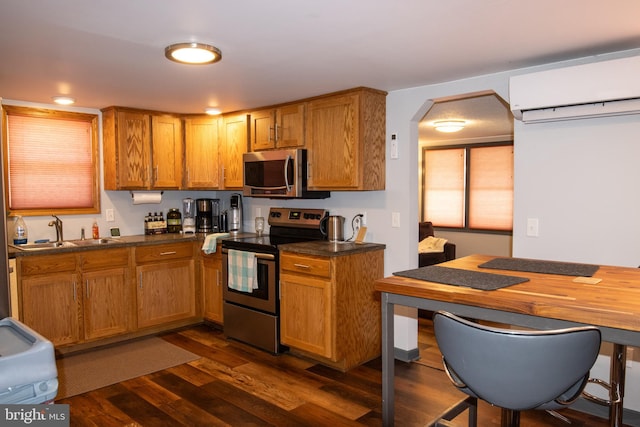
(234, 145)
(166, 289)
(50, 300)
(202, 148)
(345, 138)
(141, 149)
(329, 308)
(107, 294)
(281, 127)
(211, 279)
(76, 297)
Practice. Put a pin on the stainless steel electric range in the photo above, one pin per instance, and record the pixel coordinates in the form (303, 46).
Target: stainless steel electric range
(253, 316)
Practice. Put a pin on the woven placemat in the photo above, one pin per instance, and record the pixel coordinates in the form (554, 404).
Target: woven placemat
(540, 266)
(455, 276)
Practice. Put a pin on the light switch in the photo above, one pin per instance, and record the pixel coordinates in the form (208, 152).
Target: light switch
(532, 227)
(395, 219)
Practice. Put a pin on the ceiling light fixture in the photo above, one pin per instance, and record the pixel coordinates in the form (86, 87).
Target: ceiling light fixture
(449, 125)
(63, 100)
(193, 53)
(212, 111)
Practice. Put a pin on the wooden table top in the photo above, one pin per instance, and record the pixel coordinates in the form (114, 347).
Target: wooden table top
(614, 302)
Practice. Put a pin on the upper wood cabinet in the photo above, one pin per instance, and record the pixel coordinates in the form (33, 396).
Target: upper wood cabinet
(141, 149)
(202, 148)
(234, 145)
(281, 127)
(345, 138)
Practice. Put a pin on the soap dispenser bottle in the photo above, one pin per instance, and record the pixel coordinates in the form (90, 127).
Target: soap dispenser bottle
(20, 234)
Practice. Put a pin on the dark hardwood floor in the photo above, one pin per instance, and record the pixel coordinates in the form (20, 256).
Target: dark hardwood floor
(235, 384)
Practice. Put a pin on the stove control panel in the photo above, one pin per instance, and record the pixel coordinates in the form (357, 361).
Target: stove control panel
(296, 217)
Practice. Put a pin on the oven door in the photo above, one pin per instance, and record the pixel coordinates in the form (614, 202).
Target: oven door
(265, 298)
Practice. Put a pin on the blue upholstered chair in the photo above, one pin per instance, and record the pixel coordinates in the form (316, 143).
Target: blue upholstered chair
(516, 370)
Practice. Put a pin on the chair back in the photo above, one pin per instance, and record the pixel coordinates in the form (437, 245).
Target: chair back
(514, 369)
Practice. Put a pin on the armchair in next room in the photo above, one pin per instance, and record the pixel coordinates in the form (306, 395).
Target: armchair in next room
(433, 250)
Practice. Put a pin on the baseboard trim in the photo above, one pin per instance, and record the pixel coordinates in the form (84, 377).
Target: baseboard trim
(406, 355)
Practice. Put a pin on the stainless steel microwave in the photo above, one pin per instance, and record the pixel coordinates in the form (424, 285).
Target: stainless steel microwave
(278, 174)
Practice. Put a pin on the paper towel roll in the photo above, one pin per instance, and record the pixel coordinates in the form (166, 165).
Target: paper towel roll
(148, 197)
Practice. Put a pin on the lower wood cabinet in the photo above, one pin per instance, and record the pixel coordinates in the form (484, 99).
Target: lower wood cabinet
(211, 280)
(329, 309)
(106, 293)
(165, 283)
(75, 297)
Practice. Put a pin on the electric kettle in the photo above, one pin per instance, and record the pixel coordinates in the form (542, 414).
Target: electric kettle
(333, 228)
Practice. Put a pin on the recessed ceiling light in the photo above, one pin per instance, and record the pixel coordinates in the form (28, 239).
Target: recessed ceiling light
(449, 125)
(63, 100)
(193, 53)
(212, 111)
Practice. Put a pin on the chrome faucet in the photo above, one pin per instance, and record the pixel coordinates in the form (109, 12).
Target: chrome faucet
(58, 224)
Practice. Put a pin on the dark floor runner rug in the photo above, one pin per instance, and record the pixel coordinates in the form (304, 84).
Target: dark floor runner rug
(99, 368)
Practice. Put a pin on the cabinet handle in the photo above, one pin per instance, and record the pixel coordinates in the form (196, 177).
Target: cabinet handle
(155, 173)
(222, 175)
(86, 286)
(218, 281)
(75, 291)
(276, 132)
(270, 129)
(167, 253)
(140, 281)
(301, 265)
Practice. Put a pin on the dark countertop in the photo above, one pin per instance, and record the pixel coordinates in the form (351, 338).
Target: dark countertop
(325, 248)
(137, 240)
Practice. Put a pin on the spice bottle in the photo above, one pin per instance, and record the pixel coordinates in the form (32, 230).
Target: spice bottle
(95, 231)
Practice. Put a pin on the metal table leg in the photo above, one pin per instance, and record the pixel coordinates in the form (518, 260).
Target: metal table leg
(387, 362)
(617, 376)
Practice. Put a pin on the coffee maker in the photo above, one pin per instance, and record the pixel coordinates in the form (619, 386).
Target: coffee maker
(234, 216)
(208, 215)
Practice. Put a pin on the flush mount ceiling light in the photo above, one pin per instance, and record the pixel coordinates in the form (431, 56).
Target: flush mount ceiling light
(449, 125)
(193, 53)
(63, 100)
(212, 111)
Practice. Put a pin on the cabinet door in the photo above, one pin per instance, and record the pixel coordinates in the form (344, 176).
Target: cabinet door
(166, 292)
(234, 146)
(212, 287)
(51, 306)
(202, 145)
(133, 141)
(166, 152)
(307, 314)
(107, 302)
(262, 130)
(332, 139)
(289, 129)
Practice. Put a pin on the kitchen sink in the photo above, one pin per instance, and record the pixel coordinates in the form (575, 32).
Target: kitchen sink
(92, 242)
(43, 246)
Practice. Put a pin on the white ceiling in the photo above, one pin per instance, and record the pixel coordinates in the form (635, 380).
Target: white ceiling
(111, 52)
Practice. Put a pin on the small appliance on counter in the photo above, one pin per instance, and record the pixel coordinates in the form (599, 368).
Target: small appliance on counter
(332, 227)
(208, 215)
(188, 216)
(234, 216)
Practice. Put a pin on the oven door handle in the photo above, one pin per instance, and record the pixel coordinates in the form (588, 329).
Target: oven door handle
(257, 254)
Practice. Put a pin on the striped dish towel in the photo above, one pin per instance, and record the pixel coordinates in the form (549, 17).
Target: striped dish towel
(211, 242)
(243, 268)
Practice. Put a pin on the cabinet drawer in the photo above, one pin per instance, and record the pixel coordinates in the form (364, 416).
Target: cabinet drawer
(315, 266)
(164, 252)
(44, 264)
(95, 260)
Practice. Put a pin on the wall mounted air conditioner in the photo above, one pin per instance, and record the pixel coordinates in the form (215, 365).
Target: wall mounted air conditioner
(607, 88)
